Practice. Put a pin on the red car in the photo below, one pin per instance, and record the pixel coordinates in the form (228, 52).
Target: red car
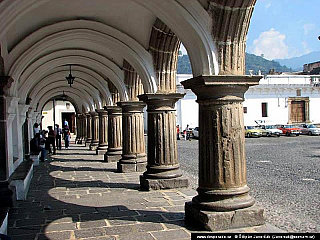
(290, 129)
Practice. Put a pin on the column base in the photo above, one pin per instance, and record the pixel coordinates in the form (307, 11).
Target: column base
(101, 151)
(124, 167)
(93, 147)
(158, 184)
(216, 221)
(112, 158)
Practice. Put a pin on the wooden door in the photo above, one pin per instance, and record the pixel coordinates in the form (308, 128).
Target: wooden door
(298, 113)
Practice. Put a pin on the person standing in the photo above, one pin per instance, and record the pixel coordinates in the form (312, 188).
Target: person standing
(58, 132)
(66, 136)
(36, 129)
(178, 132)
(51, 139)
(187, 134)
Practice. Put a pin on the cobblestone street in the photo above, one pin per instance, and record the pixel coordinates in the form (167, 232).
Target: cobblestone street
(283, 174)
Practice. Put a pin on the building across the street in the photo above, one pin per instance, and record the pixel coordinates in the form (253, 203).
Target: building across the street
(278, 99)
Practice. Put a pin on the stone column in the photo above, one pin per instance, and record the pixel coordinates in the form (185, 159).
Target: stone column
(103, 132)
(134, 150)
(79, 128)
(163, 169)
(89, 128)
(223, 199)
(95, 130)
(5, 191)
(84, 127)
(114, 134)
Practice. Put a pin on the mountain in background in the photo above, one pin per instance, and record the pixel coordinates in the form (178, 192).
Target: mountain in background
(253, 62)
(257, 63)
(297, 63)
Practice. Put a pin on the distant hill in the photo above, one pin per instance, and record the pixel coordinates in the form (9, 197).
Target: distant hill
(297, 63)
(257, 63)
(184, 66)
(253, 62)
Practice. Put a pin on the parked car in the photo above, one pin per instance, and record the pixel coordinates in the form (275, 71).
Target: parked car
(195, 132)
(309, 129)
(251, 131)
(272, 130)
(290, 129)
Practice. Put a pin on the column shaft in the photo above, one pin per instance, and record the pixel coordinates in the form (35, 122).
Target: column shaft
(89, 128)
(103, 132)
(114, 134)
(95, 130)
(163, 169)
(223, 191)
(134, 152)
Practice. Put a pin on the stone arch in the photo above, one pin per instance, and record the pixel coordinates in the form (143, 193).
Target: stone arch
(189, 20)
(39, 69)
(133, 81)
(75, 95)
(87, 93)
(231, 20)
(85, 78)
(84, 33)
(164, 47)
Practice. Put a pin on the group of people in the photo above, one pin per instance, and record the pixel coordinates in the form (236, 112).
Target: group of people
(50, 140)
(186, 133)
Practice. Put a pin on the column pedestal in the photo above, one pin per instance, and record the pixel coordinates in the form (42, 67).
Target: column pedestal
(114, 134)
(89, 128)
(103, 132)
(95, 131)
(134, 153)
(163, 171)
(223, 200)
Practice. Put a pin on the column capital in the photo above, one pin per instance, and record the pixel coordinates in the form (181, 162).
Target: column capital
(221, 87)
(160, 101)
(102, 112)
(5, 84)
(114, 110)
(93, 113)
(132, 106)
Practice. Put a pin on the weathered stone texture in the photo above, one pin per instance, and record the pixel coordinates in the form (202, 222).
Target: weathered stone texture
(164, 47)
(231, 20)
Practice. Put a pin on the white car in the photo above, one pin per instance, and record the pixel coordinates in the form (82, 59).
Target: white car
(271, 130)
(309, 129)
(195, 132)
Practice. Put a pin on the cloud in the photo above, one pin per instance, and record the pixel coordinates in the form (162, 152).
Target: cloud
(308, 28)
(268, 5)
(306, 48)
(271, 44)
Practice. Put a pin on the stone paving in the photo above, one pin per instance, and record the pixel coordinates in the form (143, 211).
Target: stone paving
(75, 195)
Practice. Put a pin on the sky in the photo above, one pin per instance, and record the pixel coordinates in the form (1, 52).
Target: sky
(281, 29)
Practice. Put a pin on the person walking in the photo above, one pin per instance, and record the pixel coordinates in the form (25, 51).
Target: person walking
(51, 139)
(66, 137)
(58, 132)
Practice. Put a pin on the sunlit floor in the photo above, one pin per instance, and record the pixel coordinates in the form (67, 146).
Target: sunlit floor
(75, 195)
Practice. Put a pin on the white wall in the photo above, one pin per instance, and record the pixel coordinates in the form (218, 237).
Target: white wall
(47, 113)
